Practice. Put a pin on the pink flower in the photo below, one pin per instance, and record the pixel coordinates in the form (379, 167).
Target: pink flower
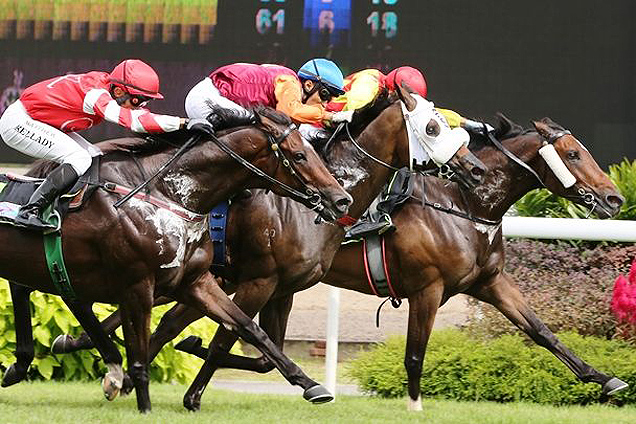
(624, 297)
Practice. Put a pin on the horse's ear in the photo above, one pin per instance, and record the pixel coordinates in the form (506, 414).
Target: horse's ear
(542, 128)
(505, 125)
(405, 96)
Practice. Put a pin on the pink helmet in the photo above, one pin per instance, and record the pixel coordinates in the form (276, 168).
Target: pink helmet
(136, 78)
(410, 76)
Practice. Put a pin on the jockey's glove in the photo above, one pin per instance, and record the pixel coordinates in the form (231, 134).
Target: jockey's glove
(477, 127)
(346, 116)
(201, 125)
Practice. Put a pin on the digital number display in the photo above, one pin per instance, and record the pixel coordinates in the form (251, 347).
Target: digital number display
(271, 19)
(328, 21)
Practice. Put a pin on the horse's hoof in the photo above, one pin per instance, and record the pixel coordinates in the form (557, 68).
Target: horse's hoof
(110, 388)
(189, 345)
(191, 404)
(317, 394)
(614, 385)
(62, 344)
(128, 386)
(13, 375)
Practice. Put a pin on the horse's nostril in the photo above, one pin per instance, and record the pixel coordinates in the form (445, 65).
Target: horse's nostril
(614, 201)
(343, 204)
(477, 172)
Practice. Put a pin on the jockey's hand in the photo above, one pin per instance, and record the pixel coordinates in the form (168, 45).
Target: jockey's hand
(200, 124)
(477, 127)
(342, 116)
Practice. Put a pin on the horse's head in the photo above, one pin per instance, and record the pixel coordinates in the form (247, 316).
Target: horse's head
(299, 167)
(575, 174)
(430, 136)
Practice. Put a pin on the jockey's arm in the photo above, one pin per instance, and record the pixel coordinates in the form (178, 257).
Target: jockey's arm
(288, 93)
(455, 120)
(99, 102)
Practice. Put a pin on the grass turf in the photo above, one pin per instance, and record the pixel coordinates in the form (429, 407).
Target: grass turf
(47, 402)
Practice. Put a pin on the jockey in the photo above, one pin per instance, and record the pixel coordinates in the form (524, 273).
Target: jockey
(362, 87)
(302, 95)
(42, 124)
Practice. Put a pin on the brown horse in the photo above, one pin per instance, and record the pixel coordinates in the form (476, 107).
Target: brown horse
(276, 246)
(435, 254)
(144, 249)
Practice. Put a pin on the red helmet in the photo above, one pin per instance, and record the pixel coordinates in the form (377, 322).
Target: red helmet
(410, 76)
(136, 78)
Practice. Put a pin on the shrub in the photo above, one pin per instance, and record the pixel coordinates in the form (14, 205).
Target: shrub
(504, 369)
(542, 203)
(569, 287)
(624, 304)
(50, 317)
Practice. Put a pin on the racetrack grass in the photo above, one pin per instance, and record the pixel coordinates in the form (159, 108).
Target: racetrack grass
(53, 402)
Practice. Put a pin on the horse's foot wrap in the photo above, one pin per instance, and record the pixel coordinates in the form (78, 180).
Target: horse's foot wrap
(317, 394)
(113, 381)
(13, 375)
(62, 344)
(414, 405)
(614, 385)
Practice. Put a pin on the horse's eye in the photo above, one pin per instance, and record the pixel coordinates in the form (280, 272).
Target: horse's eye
(573, 155)
(432, 129)
(299, 156)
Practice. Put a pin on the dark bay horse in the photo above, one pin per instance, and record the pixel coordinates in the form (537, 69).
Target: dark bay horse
(275, 247)
(434, 255)
(145, 249)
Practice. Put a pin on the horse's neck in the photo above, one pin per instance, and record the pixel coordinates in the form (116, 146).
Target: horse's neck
(203, 176)
(364, 178)
(505, 182)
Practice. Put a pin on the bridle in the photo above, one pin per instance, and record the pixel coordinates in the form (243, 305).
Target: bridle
(583, 195)
(309, 197)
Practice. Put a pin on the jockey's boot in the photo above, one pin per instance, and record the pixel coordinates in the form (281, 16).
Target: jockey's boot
(228, 118)
(56, 183)
(384, 224)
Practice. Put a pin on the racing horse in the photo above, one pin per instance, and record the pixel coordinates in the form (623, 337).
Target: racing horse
(277, 244)
(157, 243)
(420, 266)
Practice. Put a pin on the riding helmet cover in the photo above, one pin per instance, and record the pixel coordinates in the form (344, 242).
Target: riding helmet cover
(136, 78)
(325, 72)
(409, 76)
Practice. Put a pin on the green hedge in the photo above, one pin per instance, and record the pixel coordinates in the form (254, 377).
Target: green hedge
(504, 369)
(50, 317)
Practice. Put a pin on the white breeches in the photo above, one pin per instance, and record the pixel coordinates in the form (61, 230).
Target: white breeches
(40, 140)
(204, 97)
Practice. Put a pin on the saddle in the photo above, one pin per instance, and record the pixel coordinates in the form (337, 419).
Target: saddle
(15, 191)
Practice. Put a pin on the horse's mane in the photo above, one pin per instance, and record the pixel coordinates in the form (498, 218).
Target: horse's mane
(505, 128)
(361, 118)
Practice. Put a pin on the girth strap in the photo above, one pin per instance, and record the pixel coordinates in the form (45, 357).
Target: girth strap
(54, 257)
(375, 266)
(218, 227)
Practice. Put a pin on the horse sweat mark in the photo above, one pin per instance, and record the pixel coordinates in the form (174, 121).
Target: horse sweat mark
(492, 192)
(181, 185)
(174, 232)
(490, 230)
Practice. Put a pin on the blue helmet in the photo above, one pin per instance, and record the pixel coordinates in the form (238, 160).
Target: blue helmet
(325, 72)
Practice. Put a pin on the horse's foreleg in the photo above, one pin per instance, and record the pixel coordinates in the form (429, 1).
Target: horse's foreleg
(423, 307)
(135, 312)
(24, 351)
(113, 380)
(210, 299)
(502, 293)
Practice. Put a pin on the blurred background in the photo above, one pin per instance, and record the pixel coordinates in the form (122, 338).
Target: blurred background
(570, 60)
